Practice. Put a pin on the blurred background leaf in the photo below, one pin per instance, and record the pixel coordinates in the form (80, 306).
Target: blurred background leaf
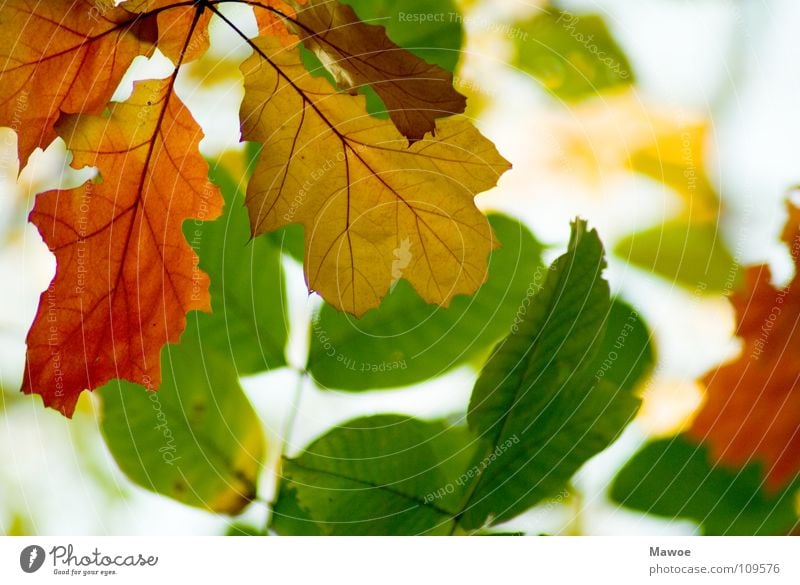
(675, 478)
(197, 440)
(574, 56)
(693, 255)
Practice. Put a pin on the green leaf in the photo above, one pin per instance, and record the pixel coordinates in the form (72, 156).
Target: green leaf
(240, 529)
(197, 440)
(386, 474)
(693, 255)
(540, 402)
(573, 56)
(288, 518)
(626, 355)
(289, 240)
(406, 340)
(248, 323)
(676, 479)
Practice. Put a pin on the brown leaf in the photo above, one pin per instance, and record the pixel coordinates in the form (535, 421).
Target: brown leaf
(415, 93)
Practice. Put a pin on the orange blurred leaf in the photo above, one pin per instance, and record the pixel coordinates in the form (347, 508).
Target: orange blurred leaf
(752, 407)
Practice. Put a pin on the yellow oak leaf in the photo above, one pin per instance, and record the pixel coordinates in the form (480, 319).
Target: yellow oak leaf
(361, 192)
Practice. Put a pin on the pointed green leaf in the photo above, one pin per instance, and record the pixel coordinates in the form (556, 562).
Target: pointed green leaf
(626, 355)
(541, 401)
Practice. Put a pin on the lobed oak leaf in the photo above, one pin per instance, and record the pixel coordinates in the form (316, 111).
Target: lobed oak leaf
(176, 23)
(752, 407)
(272, 16)
(125, 276)
(415, 92)
(63, 56)
(360, 191)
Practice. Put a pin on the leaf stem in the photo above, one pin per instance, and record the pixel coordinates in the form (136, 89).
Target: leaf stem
(286, 436)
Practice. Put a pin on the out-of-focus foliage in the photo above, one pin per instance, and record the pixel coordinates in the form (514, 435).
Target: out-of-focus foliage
(574, 56)
(676, 478)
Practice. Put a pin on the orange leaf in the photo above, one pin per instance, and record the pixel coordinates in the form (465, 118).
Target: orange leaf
(175, 24)
(415, 93)
(272, 15)
(752, 408)
(125, 276)
(62, 56)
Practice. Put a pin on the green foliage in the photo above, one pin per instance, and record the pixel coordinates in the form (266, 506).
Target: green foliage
(627, 351)
(288, 518)
(573, 56)
(241, 529)
(675, 478)
(406, 340)
(543, 402)
(547, 400)
(197, 440)
(693, 255)
(377, 475)
(248, 322)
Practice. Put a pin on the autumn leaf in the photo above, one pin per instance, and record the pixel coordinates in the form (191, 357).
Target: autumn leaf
(360, 191)
(415, 92)
(176, 23)
(63, 56)
(125, 276)
(752, 408)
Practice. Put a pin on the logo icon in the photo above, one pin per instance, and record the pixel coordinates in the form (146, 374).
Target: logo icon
(31, 558)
